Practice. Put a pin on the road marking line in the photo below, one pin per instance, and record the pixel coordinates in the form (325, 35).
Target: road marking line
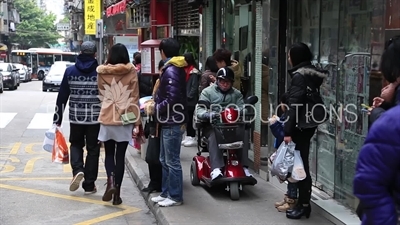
(108, 217)
(29, 165)
(6, 118)
(41, 178)
(14, 159)
(11, 158)
(28, 148)
(67, 169)
(15, 148)
(67, 197)
(7, 169)
(42, 121)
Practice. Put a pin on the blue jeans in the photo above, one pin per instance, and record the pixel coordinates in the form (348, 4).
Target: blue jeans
(172, 180)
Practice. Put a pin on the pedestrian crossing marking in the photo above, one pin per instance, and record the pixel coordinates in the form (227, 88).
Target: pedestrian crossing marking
(41, 121)
(6, 118)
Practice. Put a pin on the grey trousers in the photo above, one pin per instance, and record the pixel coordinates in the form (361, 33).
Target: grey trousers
(216, 154)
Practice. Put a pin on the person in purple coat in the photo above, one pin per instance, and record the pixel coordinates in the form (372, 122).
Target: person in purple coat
(171, 113)
(377, 178)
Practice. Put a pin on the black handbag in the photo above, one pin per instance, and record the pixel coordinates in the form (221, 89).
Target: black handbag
(313, 112)
(153, 147)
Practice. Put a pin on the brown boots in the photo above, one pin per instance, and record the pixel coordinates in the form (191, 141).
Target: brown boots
(112, 191)
(116, 198)
(286, 204)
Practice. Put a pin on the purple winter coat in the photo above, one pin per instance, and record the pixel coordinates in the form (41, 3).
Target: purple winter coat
(170, 97)
(377, 178)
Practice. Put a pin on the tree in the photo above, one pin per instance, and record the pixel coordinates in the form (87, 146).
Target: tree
(36, 28)
(65, 19)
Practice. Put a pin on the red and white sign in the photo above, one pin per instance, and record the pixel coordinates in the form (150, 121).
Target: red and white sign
(117, 8)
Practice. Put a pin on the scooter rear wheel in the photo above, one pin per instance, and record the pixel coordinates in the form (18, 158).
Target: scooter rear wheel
(234, 190)
(193, 174)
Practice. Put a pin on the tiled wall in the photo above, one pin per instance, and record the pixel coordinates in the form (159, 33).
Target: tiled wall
(208, 33)
(258, 84)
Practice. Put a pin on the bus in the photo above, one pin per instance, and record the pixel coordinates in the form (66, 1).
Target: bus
(39, 60)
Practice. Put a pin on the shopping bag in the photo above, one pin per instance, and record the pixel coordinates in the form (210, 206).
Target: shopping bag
(298, 172)
(284, 160)
(139, 139)
(49, 137)
(60, 152)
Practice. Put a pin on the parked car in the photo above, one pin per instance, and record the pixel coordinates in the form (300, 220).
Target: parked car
(52, 80)
(23, 73)
(10, 76)
(29, 72)
(1, 83)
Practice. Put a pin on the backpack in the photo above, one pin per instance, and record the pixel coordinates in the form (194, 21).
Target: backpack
(314, 110)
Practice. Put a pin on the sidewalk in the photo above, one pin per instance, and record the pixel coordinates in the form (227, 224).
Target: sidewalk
(205, 206)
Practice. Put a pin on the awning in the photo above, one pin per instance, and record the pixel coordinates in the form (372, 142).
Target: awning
(3, 47)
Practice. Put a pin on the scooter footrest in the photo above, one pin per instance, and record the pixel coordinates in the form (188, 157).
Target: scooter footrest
(233, 145)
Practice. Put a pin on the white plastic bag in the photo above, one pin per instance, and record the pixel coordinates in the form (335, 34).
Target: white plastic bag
(55, 143)
(49, 139)
(284, 160)
(298, 172)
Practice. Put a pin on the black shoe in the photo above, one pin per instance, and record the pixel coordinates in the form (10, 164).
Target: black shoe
(151, 189)
(298, 212)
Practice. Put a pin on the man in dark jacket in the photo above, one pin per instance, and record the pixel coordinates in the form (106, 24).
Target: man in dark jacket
(170, 110)
(79, 86)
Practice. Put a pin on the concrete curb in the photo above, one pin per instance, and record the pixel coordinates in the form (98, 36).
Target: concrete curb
(142, 181)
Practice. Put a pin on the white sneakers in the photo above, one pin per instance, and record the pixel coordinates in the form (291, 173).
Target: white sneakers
(76, 181)
(218, 173)
(165, 202)
(247, 172)
(189, 142)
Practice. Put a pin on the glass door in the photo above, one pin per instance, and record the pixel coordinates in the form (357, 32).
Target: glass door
(354, 62)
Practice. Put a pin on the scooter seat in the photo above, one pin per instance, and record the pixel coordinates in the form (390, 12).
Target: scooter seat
(233, 145)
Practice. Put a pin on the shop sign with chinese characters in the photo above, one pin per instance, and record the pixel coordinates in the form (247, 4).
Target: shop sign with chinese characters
(92, 13)
(117, 8)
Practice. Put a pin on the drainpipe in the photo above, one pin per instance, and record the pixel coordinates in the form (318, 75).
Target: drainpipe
(153, 27)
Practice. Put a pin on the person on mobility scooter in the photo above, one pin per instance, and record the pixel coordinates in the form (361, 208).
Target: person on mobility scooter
(221, 102)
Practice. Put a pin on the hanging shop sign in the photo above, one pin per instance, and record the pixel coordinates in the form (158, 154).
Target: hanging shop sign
(117, 8)
(92, 13)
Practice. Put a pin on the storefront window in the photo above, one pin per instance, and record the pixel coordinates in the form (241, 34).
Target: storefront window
(354, 62)
(237, 37)
(270, 61)
(325, 141)
(304, 26)
(339, 35)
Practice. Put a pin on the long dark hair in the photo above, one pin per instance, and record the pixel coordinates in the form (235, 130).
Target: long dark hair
(118, 54)
(189, 58)
(390, 60)
(300, 53)
(211, 64)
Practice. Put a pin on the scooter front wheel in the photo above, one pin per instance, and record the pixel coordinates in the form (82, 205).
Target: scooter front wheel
(234, 190)
(193, 174)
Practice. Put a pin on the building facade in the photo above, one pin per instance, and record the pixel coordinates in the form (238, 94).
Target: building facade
(346, 37)
(9, 18)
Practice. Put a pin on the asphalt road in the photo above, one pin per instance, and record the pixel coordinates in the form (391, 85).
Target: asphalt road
(33, 190)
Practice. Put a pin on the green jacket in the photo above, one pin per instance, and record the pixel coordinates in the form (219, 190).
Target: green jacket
(219, 100)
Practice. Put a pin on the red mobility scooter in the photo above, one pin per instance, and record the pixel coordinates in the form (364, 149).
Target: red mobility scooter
(232, 135)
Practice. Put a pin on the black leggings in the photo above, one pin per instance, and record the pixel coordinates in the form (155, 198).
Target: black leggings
(115, 159)
(302, 140)
(190, 132)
